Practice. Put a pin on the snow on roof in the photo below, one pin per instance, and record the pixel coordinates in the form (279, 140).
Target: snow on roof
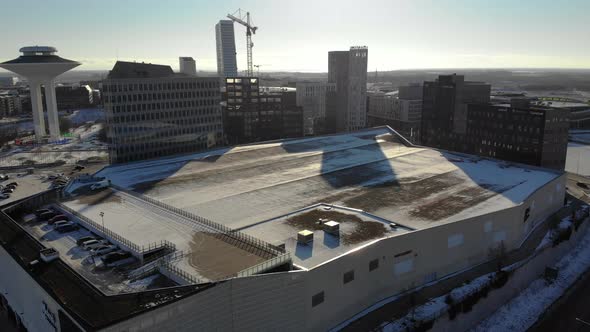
(369, 170)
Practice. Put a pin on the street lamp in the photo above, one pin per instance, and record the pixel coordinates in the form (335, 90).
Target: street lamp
(101, 214)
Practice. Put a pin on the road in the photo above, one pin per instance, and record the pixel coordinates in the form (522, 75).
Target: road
(562, 314)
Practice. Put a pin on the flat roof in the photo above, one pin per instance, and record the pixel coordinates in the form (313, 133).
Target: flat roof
(356, 229)
(371, 170)
(207, 256)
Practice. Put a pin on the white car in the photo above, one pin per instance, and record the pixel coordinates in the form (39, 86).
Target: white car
(91, 244)
(103, 250)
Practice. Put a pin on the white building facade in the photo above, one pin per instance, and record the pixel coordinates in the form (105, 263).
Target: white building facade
(187, 65)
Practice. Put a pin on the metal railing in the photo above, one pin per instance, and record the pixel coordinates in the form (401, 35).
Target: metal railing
(178, 272)
(212, 226)
(266, 265)
(150, 267)
(139, 250)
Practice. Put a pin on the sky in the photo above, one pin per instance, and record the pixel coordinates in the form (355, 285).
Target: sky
(297, 35)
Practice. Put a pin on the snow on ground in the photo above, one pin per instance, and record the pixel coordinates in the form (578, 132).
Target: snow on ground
(578, 159)
(437, 306)
(553, 233)
(523, 311)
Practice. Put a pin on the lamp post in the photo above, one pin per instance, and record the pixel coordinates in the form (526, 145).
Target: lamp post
(101, 214)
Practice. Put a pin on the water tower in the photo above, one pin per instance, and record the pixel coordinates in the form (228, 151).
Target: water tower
(41, 66)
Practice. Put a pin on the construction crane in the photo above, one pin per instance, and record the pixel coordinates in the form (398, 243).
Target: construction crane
(243, 17)
(258, 69)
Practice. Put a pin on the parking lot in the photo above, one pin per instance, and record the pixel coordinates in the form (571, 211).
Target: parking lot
(110, 280)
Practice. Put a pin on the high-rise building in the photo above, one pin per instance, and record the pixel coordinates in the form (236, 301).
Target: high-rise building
(187, 65)
(226, 49)
(312, 97)
(444, 110)
(151, 112)
(348, 70)
(401, 110)
(252, 116)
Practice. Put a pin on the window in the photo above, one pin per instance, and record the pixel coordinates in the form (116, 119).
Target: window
(373, 265)
(403, 267)
(348, 277)
(317, 299)
(454, 240)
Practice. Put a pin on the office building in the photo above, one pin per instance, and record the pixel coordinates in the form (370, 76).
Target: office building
(71, 97)
(187, 65)
(444, 110)
(151, 112)
(289, 235)
(348, 71)
(251, 115)
(458, 116)
(519, 132)
(312, 97)
(401, 110)
(10, 103)
(40, 65)
(227, 65)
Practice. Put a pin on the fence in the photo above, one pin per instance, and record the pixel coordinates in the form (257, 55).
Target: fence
(174, 272)
(53, 158)
(139, 250)
(265, 266)
(218, 228)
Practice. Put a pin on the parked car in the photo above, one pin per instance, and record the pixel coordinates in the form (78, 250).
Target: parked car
(56, 224)
(47, 215)
(103, 250)
(12, 184)
(4, 196)
(79, 167)
(91, 244)
(59, 217)
(84, 239)
(7, 190)
(41, 211)
(4, 177)
(70, 227)
(115, 257)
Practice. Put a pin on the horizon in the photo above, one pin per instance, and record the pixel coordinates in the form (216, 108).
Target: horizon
(400, 35)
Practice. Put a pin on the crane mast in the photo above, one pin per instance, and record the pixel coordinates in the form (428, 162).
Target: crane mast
(243, 18)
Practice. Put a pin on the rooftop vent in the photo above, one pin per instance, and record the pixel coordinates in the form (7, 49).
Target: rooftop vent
(332, 227)
(48, 255)
(305, 236)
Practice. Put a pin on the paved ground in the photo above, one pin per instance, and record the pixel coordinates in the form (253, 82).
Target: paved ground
(562, 315)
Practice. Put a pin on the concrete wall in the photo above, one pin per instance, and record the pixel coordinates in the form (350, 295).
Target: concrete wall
(259, 303)
(518, 281)
(26, 297)
(284, 300)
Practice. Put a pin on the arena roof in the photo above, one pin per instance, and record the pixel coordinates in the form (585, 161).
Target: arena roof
(373, 170)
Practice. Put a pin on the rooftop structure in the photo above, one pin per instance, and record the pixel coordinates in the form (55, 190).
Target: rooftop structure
(187, 65)
(40, 65)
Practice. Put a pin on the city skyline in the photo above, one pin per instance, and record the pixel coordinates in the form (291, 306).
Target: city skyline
(400, 34)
